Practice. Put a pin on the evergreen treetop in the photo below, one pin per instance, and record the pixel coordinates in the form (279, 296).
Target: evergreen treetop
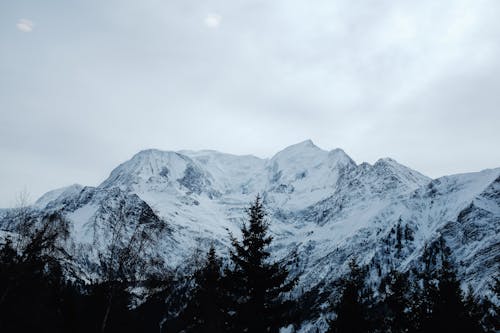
(258, 283)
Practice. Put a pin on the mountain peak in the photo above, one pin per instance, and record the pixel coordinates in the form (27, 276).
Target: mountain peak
(320, 205)
(409, 176)
(386, 160)
(307, 142)
(301, 150)
(341, 157)
(54, 194)
(146, 164)
(152, 153)
(148, 151)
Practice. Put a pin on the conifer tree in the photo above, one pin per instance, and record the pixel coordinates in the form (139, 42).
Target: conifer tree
(399, 237)
(448, 311)
(397, 310)
(443, 302)
(474, 312)
(426, 290)
(491, 307)
(351, 310)
(258, 285)
(418, 314)
(205, 311)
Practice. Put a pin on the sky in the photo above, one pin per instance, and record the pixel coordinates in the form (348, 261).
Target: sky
(85, 84)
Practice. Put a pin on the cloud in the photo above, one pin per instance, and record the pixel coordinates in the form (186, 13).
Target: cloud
(213, 20)
(414, 80)
(25, 25)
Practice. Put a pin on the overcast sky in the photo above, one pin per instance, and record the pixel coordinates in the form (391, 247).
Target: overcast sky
(86, 84)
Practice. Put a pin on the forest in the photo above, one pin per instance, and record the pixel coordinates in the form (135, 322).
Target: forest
(248, 291)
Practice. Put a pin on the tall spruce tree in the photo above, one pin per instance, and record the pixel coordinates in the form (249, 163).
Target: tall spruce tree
(205, 312)
(426, 289)
(449, 313)
(351, 309)
(474, 311)
(491, 307)
(396, 303)
(258, 285)
(439, 304)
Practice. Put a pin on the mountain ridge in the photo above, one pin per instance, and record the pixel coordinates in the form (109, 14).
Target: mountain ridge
(320, 203)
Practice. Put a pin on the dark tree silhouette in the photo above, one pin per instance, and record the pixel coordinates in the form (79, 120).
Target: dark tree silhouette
(31, 275)
(491, 307)
(40, 288)
(438, 304)
(396, 303)
(351, 309)
(258, 285)
(124, 262)
(449, 311)
(205, 311)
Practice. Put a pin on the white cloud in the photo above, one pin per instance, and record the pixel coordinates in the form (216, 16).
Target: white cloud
(213, 20)
(25, 25)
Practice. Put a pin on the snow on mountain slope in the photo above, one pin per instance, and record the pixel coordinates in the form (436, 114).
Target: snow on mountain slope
(320, 203)
(45, 199)
(473, 234)
(233, 174)
(303, 174)
(436, 209)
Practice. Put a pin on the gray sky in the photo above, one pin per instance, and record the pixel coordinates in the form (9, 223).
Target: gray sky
(86, 84)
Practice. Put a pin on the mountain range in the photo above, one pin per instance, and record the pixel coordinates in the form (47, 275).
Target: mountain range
(320, 204)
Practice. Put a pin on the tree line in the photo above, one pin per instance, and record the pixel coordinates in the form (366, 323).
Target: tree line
(430, 301)
(251, 292)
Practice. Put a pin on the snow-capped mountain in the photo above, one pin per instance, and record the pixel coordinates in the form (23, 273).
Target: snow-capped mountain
(320, 203)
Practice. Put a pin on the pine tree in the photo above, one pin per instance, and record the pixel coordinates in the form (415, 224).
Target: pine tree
(408, 233)
(473, 312)
(448, 308)
(418, 314)
(397, 304)
(399, 238)
(426, 290)
(448, 311)
(491, 306)
(257, 284)
(351, 310)
(205, 311)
